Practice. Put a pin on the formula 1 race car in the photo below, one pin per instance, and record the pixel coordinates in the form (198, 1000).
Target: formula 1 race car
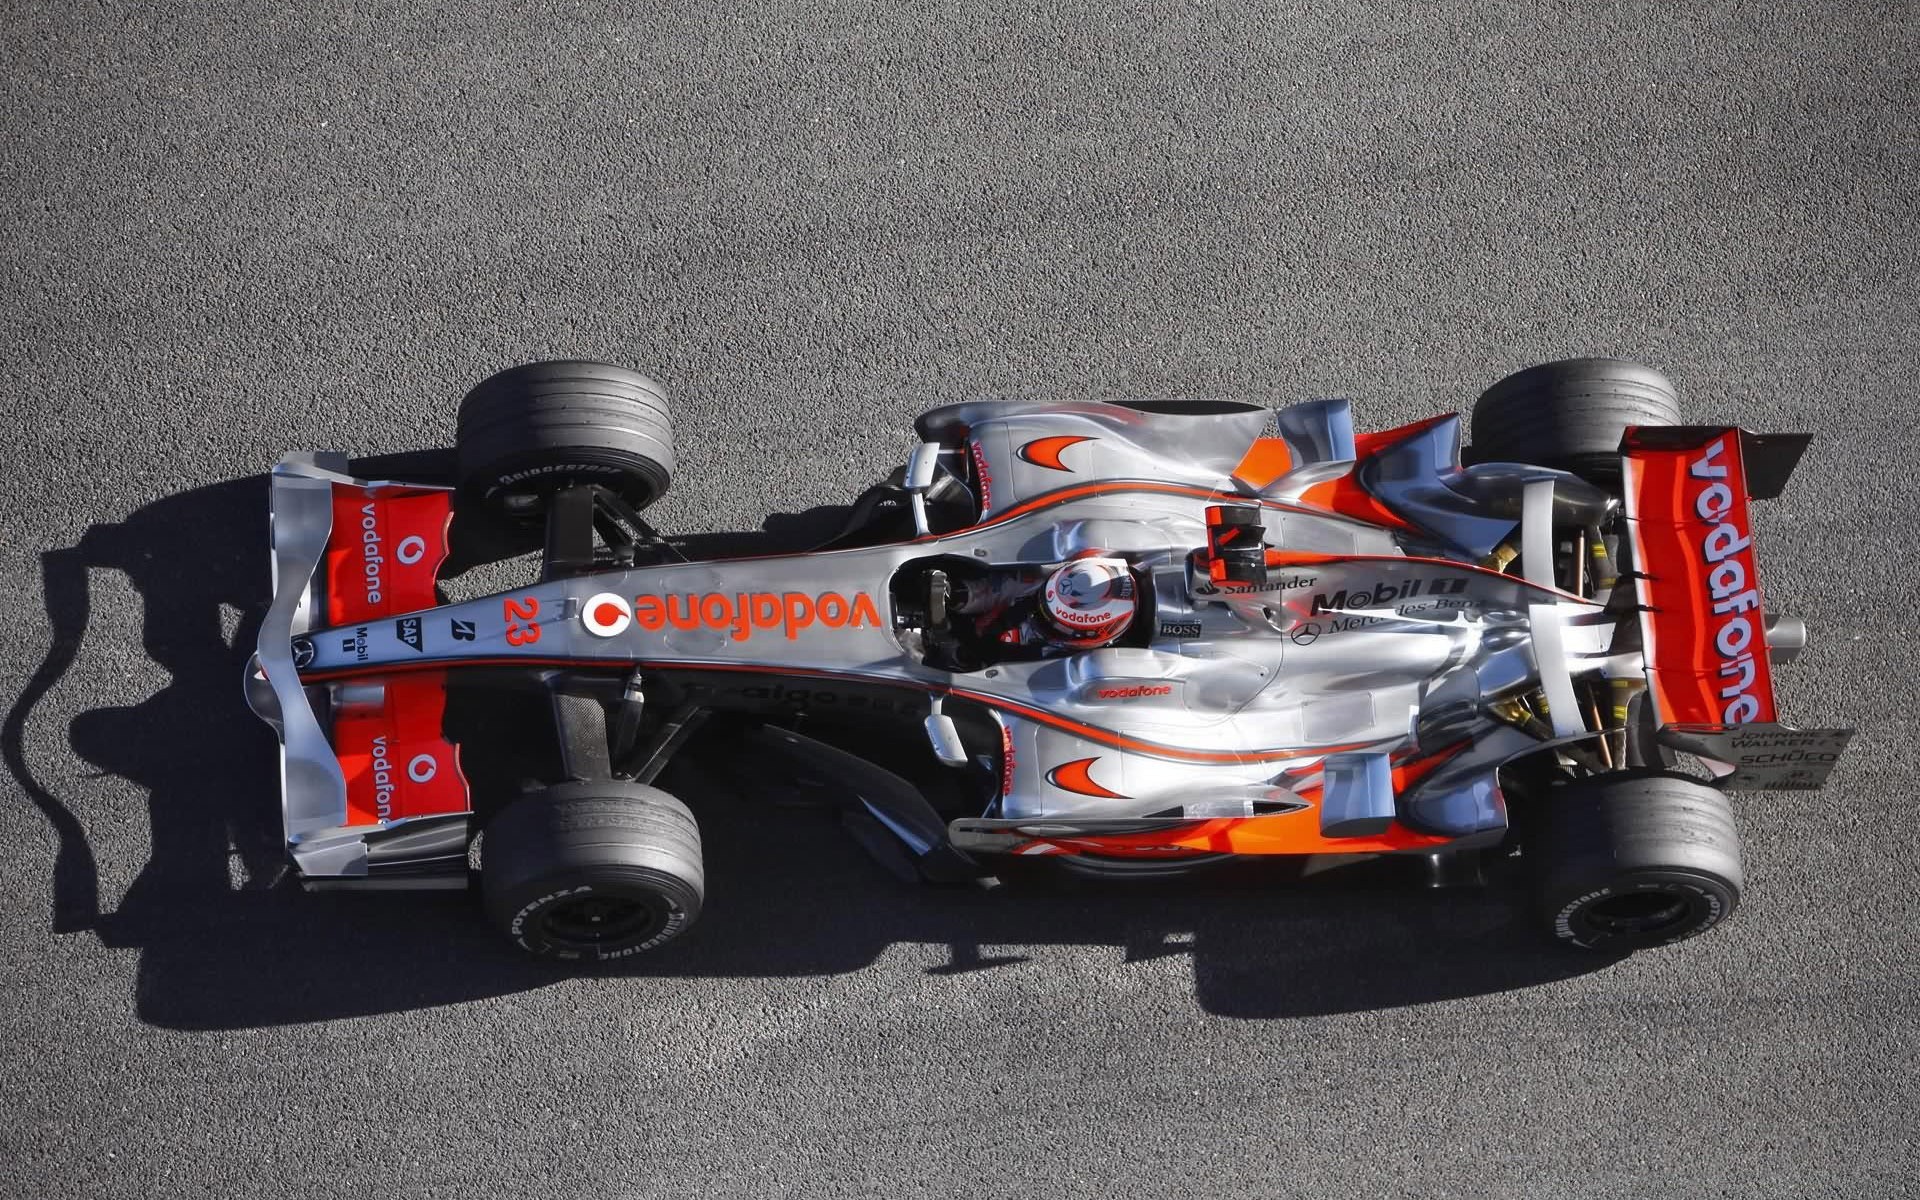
(1145, 636)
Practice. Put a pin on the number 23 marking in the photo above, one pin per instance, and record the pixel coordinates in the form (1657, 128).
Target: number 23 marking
(524, 608)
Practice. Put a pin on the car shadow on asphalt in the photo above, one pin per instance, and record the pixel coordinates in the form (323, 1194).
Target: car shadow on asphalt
(227, 940)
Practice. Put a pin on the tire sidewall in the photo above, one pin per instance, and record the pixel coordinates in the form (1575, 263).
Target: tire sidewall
(1709, 902)
(524, 909)
(546, 472)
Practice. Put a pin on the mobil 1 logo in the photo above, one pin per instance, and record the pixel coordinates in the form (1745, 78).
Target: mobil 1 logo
(1384, 594)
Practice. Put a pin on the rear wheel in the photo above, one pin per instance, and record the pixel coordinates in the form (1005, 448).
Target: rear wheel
(1571, 414)
(533, 430)
(1624, 862)
(595, 871)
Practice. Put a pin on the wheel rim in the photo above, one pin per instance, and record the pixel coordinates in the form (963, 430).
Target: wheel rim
(1642, 914)
(600, 920)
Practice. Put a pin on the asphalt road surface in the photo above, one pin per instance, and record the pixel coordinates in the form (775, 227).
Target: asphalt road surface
(233, 229)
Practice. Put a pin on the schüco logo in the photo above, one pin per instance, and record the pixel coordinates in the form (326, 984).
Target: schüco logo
(746, 613)
(1129, 693)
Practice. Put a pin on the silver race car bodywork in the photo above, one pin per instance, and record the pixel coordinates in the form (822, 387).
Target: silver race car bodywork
(1404, 628)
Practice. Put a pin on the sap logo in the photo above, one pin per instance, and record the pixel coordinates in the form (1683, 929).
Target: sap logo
(407, 629)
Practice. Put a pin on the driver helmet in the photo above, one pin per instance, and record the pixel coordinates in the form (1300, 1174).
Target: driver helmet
(1091, 600)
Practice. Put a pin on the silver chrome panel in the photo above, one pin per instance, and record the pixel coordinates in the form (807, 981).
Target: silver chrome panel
(313, 792)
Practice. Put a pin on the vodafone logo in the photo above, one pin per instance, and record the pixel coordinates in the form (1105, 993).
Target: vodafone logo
(606, 615)
(1726, 551)
(422, 768)
(746, 612)
(411, 550)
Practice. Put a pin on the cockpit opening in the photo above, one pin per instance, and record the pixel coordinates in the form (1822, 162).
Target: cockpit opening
(961, 615)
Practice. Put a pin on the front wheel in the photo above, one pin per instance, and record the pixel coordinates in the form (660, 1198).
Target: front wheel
(597, 871)
(533, 430)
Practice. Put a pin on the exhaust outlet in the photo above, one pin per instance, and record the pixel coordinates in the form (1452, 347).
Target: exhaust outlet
(1786, 638)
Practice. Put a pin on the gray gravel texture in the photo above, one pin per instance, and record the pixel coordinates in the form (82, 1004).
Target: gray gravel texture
(233, 229)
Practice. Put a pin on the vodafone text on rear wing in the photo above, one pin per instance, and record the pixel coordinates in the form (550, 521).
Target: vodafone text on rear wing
(1703, 616)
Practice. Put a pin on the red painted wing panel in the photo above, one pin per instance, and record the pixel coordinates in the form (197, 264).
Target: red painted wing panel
(395, 755)
(1701, 606)
(385, 550)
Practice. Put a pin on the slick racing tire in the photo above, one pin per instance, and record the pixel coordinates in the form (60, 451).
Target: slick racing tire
(593, 871)
(1625, 862)
(1571, 414)
(532, 430)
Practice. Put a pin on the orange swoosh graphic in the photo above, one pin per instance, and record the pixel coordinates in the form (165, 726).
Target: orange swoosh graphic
(1075, 777)
(1045, 452)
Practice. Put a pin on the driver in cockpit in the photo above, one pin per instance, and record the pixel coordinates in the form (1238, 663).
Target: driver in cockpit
(1081, 605)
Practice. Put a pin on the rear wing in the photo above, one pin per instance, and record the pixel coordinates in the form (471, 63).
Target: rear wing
(1703, 619)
